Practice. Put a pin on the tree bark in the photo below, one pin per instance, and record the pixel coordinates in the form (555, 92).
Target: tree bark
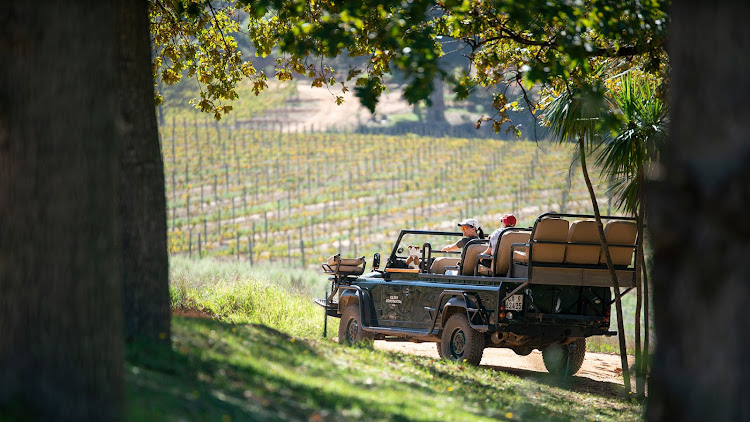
(640, 354)
(60, 321)
(698, 219)
(143, 205)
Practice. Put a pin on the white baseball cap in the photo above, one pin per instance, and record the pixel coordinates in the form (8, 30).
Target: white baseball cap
(470, 222)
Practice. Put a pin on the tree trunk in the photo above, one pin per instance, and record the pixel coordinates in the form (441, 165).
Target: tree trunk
(607, 256)
(60, 321)
(640, 354)
(698, 218)
(436, 109)
(646, 313)
(142, 202)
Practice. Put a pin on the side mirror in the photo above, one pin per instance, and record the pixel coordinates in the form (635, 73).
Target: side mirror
(376, 261)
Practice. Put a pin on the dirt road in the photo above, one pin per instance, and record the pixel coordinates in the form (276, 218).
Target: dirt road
(600, 373)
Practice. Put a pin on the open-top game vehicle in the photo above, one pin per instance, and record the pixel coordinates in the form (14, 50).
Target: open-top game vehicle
(547, 288)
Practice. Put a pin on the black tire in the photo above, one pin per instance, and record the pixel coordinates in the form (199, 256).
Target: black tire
(350, 328)
(439, 345)
(556, 357)
(460, 342)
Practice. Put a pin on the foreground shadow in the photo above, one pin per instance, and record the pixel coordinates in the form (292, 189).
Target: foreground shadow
(575, 383)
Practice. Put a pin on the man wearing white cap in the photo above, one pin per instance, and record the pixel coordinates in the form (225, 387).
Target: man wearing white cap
(471, 230)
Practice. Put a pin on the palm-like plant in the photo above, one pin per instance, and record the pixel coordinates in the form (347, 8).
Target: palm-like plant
(582, 114)
(639, 140)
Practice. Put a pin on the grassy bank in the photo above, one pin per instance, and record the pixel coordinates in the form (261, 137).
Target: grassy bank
(219, 371)
(274, 296)
(255, 353)
(281, 298)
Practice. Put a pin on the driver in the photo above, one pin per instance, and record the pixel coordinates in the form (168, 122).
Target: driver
(471, 230)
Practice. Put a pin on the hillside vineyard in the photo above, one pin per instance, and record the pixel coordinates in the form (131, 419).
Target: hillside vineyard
(261, 195)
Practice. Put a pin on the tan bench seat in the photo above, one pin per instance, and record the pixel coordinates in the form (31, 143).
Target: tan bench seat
(439, 264)
(548, 229)
(502, 252)
(583, 231)
(620, 232)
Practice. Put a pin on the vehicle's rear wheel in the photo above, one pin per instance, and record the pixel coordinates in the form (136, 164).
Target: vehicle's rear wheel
(350, 328)
(439, 345)
(460, 342)
(558, 358)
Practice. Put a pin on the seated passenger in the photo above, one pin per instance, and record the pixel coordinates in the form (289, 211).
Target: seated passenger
(471, 230)
(508, 220)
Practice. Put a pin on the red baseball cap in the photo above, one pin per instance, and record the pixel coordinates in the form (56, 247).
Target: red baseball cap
(509, 220)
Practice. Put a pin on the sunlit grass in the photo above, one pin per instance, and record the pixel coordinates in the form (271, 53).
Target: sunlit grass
(218, 371)
(275, 296)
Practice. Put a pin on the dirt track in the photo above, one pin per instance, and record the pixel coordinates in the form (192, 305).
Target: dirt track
(600, 373)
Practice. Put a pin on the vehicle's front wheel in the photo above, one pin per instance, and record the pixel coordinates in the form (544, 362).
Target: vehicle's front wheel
(460, 342)
(350, 328)
(556, 357)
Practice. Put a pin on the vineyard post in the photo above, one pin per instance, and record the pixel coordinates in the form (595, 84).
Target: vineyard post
(200, 252)
(174, 188)
(205, 228)
(190, 244)
(302, 247)
(251, 240)
(289, 250)
(219, 223)
(312, 231)
(174, 156)
(226, 176)
(218, 138)
(239, 168)
(216, 189)
(187, 210)
(244, 200)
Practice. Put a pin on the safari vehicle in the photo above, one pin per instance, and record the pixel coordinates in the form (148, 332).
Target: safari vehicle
(548, 288)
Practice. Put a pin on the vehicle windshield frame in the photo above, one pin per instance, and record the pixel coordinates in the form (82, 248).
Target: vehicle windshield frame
(451, 237)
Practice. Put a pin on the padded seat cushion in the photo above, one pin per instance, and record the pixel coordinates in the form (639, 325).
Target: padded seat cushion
(502, 258)
(548, 229)
(332, 261)
(620, 232)
(439, 264)
(470, 257)
(583, 231)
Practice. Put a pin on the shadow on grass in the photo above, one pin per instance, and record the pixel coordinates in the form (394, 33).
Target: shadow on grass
(573, 383)
(220, 371)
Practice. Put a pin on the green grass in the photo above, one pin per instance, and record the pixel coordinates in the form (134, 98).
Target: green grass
(281, 297)
(274, 296)
(218, 371)
(250, 362)
(611, 344)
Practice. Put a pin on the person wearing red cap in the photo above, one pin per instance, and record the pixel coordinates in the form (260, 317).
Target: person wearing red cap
(508, 220)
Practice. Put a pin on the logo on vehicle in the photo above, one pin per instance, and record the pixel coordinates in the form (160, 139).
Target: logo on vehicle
(393, 299)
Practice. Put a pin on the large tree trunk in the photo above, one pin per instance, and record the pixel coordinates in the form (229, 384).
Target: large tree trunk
(699, 221)
(142, 202)
(60, 320)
